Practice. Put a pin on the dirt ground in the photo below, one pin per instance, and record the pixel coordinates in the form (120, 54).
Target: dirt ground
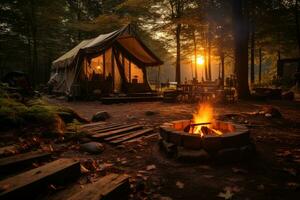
(273, 173)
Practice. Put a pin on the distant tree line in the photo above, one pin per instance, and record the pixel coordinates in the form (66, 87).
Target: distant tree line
(246, 32)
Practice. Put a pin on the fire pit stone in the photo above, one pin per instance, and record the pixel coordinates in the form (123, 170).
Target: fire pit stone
(234, 142)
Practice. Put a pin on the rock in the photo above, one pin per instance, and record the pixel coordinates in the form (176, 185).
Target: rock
(192, 155)
(100, 116)
(274, 112)
(290, 96)
(92, 147)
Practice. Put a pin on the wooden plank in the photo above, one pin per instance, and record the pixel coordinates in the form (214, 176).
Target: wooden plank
(116, 132)
(101, 130)
(141, 138)
(30, 183)
(109, 187)
(21, 161)
(103, 126)
(99, 127)
(131, 136)
(92, 124)
(117, 136)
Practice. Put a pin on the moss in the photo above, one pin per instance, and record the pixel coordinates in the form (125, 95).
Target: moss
(11, 113)
(39, 114)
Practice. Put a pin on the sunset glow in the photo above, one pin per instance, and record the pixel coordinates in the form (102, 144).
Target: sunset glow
(200, 60)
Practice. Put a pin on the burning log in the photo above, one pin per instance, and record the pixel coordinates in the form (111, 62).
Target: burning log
(209, 131)
(187, 129)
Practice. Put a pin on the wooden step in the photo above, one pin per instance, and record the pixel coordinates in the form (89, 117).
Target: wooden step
(110, 129)
(116, 132)
(131, 136)
(21, 161)
(29, 184)
(110, 187)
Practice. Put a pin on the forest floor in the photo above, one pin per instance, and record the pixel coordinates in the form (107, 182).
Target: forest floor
(273, 173)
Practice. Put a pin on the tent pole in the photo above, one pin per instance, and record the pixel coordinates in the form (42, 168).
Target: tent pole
(129, 69)
(113, 68)
(103, 61)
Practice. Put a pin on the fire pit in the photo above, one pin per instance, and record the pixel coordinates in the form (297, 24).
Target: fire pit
(204, 138)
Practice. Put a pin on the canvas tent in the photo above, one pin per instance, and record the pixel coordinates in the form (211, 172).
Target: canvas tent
(113, 62)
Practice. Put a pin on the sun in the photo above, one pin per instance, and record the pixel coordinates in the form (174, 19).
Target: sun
(200, 60)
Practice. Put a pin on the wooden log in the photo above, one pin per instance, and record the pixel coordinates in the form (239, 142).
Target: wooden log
(30, 184)
(131, 136)
(116, 132)
(110, 187)
(21, 161)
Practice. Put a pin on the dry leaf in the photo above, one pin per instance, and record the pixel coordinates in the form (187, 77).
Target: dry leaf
(293, 185)
(208, 176)
(291, 171)
(179, 184)
(84, 170)
(261, 187)
(238, 170)
(227, 195)
(150, 167)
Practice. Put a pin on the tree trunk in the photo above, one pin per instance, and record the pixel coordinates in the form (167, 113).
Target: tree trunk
(78, 19)
(222, 68)
(297, 24)
(260, 65)
(209, 53)
(178, 48)
(252, 70)
(195, 54)
(34, 41)
(241, 48)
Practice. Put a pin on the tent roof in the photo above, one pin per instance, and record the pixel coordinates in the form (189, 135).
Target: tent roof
(124, 37)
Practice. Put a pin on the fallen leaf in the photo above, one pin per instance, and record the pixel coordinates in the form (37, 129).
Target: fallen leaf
(179, 184)
(293, 185)
(291, 171)
(166, 198)
(227, 195)
(150, 167)
(84, 170)
(261, 187)
(208, 176)
(239, 170)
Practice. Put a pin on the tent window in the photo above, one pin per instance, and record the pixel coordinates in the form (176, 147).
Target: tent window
(94, 68)
(126, 70)
(136, 74)
(108, 65)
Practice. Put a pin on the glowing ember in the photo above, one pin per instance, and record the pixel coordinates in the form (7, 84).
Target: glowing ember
(204, 115)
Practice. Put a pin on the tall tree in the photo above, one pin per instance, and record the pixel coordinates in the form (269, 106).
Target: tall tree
(241, 47)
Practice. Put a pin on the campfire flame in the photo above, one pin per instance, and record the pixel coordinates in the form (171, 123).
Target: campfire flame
(204, 114)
